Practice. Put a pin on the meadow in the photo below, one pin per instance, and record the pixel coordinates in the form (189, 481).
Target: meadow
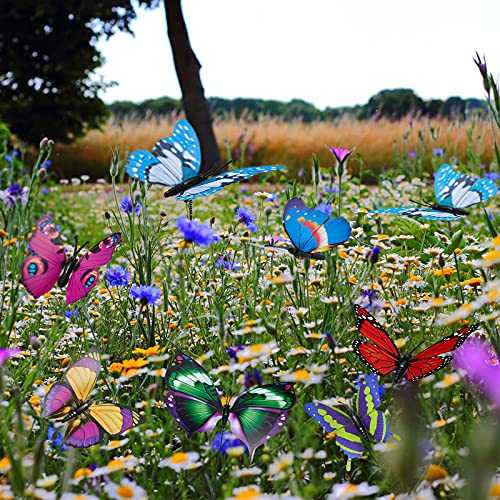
(254, 315)
(380, 143)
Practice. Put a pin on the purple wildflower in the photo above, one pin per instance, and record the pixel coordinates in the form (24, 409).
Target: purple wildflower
(369, 300)
(232, 351)
(117, 276)
(145, 294)
(481, 366)
(196, 232)
(325, 208)
(13, 194)
(5, 354)
(246, 216)
(412, 154)
(252, 378)
(340, 154)
(128, 207)
(373, 255)
(69, 313)
(438, 151)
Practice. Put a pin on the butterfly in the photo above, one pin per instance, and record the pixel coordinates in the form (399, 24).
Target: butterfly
(383, 357)
(175, 161)
(352, 426)
(40, 272)
(454, 192)
(89, 421)
(255, 416)
(312, 231)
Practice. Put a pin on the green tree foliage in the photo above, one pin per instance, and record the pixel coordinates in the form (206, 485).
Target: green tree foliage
(392, 104)
(47, 56)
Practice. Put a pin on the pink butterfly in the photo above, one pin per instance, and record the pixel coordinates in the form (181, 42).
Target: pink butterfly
(41, 271)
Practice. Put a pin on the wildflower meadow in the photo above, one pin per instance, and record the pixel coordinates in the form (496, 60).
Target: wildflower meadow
(271, 339)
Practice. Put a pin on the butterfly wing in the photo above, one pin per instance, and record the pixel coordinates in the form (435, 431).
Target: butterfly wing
(460, 190)
(40, 272)
(422, 212)
(334, 420)
(377, 359)
(192, 398)
(174, 159)
(220, 181)
(374, 331)
(367, 402)
(79, 380)
(312, 230)
(259, 413)
(85, 275)
(430, 361)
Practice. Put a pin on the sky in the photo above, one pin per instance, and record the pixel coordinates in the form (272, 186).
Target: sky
(327, 52)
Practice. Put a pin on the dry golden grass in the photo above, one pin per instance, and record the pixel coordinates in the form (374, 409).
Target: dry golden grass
(288, 143)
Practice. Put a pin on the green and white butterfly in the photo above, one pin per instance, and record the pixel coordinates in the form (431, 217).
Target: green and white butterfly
(255, 416)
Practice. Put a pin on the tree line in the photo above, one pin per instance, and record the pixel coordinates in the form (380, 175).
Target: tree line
(390, 104)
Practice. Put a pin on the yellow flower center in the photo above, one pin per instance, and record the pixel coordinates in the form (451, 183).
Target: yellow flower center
(302, 375)
(125, 492)
(248, 494)
(179, 458)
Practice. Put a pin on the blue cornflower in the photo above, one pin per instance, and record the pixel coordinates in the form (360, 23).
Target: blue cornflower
(69, 313)
(56, 438)
(46, 164)
(195, 232)
(145, 294)
(246, 216)
(333, 189)
(438, 151)
(223, 443)
(325, 208)
(230, 266)
(8, 158)
(117, 276)
(128, 207)
(373, 255)
(252, 378)
(493, 176)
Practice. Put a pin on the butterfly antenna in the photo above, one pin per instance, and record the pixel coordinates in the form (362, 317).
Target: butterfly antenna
(416, 347)
(422, 203)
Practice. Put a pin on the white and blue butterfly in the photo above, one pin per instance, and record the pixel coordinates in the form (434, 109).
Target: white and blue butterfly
(454, 192)
(175, 161)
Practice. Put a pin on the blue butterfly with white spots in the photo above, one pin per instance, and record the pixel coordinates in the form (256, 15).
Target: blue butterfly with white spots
(454, 192)
(312, 231)
(175, 161)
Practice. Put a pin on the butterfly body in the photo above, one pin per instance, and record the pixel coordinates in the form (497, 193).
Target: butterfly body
(89, 422)
(254, 416)
(383, 357)
(454, 193)
(176, 160)
(312, 231)
(352, 426)
(51, 265)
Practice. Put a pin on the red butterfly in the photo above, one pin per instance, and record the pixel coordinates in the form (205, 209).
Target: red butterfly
(383, 356)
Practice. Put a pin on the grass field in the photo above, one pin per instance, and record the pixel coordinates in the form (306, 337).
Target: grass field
(252, 315)
(379, 143)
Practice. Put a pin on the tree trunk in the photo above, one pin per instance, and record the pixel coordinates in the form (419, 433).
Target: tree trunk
(187, 68)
